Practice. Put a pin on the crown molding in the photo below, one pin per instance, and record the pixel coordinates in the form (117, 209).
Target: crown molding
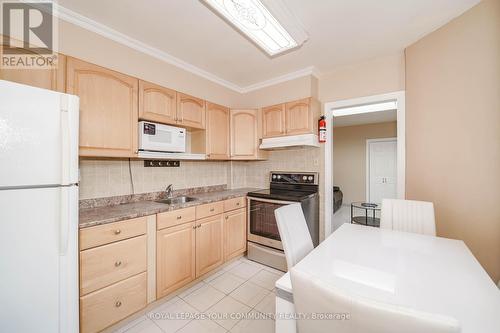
(311, 70)
(107, 32)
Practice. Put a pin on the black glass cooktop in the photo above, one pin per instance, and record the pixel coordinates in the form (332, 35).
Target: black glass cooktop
(283, 195)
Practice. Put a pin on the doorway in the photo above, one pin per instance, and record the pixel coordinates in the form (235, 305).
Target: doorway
(381, 169)
(363, 107)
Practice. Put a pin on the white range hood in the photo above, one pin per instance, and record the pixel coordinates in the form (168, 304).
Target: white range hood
(282, 142)
(170, 156)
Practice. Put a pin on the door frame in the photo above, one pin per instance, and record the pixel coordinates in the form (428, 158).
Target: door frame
(329, 108)
(367, 178)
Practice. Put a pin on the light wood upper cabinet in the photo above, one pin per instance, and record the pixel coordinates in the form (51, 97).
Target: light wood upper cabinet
(52, 79)
(190, 111)
(108, 109)
(175, 258)
(157, 103)
(245, 135)
(291, 118)
(217, 132)
(209, 245)
(235, 233)
(273, 121)
(298, 117)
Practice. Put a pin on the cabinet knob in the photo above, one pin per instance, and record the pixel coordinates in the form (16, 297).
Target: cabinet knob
(212, 209)
(237, 204)
(227, 217)
(199, 225)
(118, 304)
(118, 231)
(179, 217)
(118, 263)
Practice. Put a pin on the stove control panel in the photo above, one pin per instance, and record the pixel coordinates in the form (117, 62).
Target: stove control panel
(294, 178)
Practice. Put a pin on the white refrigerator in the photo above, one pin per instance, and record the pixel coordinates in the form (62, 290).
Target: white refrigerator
(38, 210)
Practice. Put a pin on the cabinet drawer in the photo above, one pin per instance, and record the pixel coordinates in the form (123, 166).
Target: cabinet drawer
(112, 232)
(236, 203)
(210, 209)
(106, 306)
(175, 217)
(107, 264)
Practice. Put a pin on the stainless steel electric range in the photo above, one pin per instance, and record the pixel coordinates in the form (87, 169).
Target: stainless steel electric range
(264, 242)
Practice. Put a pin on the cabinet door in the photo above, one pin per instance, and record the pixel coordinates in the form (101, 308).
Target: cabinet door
(235, 233)
(298, 117)
(209, 252)
(217, 132)
(175, 258)
(190, 111)
(157, 103)
(108, 109)
(52, 79)
(244, 134)
(273, 121)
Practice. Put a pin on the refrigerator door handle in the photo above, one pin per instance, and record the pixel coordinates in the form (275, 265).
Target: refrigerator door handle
(64, 220)
(65, 141)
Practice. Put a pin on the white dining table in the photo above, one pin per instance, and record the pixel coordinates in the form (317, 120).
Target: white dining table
(421, 272)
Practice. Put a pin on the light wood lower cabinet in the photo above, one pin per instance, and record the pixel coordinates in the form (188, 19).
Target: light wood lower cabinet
(175, 258)
(108, 109)
(209, 244)
(106, 306)
(107, 264)
(112, 232)
(235, 233)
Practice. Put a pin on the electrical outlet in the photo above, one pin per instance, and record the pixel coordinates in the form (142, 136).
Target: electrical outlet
(161, 163)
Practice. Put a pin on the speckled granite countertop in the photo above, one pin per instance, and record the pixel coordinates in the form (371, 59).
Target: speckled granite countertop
(101, 215)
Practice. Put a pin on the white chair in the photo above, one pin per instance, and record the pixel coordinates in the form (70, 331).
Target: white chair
(408, 215)
(356, 314)
(294, 234)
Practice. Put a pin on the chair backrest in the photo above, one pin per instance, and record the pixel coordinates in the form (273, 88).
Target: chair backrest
(294, 234)
(354, 314)
(408, 215)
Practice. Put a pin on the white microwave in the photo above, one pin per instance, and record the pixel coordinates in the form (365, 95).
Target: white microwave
(161, 138)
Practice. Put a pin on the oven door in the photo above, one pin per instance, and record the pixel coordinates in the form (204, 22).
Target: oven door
(262, 226)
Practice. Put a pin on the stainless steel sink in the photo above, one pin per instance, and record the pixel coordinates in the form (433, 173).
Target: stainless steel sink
(176, 200)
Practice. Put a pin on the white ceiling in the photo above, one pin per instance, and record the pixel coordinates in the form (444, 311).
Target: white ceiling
(365, 118)
(341, 32)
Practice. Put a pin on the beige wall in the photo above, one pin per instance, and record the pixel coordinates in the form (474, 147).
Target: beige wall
(349, 156)
(453, 129)
(282, 92)
(377, 76)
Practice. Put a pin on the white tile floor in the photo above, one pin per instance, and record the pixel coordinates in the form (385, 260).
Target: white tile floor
(236, 298)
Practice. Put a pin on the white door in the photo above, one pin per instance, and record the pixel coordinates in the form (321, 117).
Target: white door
(382, 169)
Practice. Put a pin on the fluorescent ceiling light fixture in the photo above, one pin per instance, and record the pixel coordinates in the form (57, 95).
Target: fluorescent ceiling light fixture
(366, 108)
(257, 22)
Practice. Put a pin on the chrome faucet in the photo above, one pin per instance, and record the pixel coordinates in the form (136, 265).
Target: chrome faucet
(168, 191)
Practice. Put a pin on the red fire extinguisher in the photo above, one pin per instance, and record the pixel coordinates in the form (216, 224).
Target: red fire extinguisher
(322, 129)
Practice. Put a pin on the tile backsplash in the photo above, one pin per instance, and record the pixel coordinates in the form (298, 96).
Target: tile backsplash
(105, 178)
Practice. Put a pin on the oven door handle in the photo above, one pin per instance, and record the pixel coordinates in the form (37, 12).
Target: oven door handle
(282, 202)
